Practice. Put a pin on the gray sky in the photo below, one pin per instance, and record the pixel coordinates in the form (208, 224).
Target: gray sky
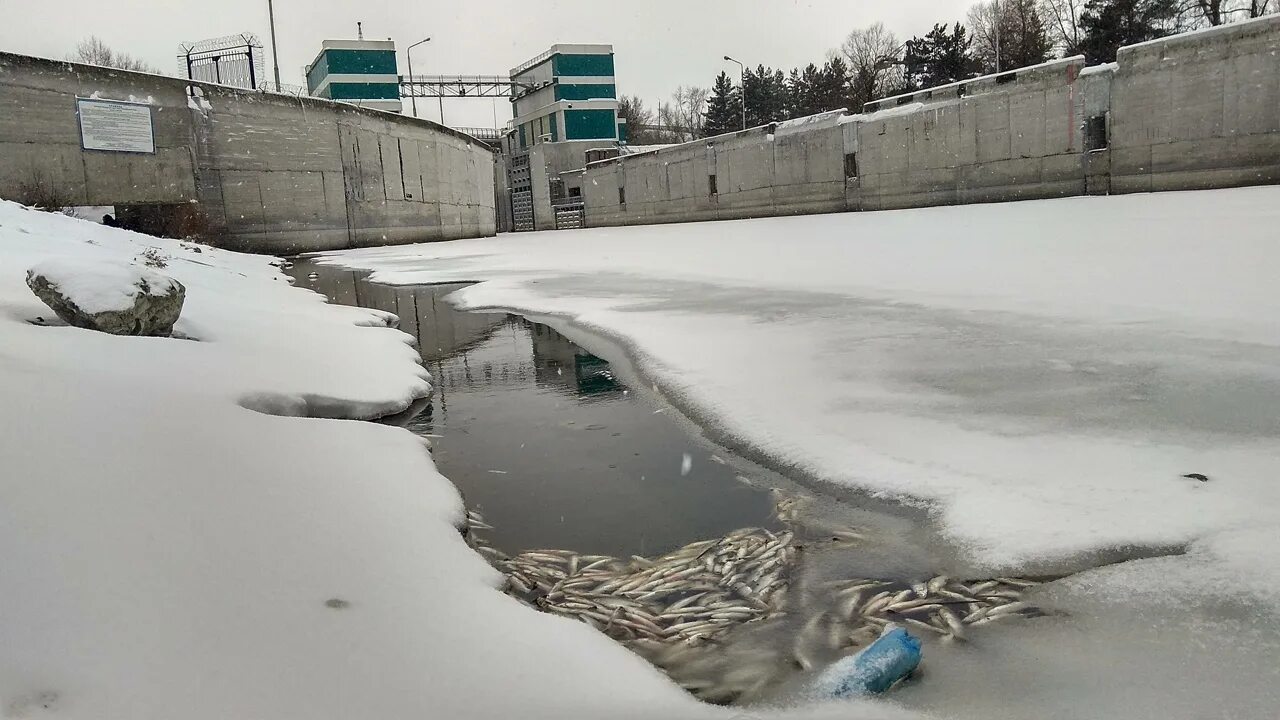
(659, 44)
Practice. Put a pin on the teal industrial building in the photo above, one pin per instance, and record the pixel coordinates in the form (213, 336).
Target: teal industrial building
(574, 97)
(360, 72)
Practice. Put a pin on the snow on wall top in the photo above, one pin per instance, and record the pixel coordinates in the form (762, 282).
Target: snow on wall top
(1203, 33)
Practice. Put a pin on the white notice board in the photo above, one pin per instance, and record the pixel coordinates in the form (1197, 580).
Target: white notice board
(115, 126)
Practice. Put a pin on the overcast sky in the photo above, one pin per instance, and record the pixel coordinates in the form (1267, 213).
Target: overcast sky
(658, 44)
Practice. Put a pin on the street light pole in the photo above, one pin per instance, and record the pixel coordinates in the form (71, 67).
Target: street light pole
(742, 82)
(997, 8)
(275, 57)
(408, 54)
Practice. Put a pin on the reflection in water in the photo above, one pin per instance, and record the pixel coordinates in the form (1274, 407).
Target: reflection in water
(544, 439)
(553, 352)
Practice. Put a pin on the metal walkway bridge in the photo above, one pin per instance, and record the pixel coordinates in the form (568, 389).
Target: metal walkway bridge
(443, 86)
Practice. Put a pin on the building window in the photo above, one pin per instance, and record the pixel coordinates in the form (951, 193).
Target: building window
(1095, 133)
(711, 182)
(575, 192)
(1006, 78)
(851, 165)
(622, 196)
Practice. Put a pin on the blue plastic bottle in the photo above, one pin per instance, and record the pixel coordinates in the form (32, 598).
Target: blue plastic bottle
(872, 670)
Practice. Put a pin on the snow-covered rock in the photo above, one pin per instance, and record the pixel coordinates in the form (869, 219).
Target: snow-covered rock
(111, 297)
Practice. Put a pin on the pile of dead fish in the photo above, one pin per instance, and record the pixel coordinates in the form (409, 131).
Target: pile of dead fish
(676, 610)
(695, 593)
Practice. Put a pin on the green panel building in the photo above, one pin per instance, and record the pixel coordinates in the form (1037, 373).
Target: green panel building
(571, 96)
(360, 72)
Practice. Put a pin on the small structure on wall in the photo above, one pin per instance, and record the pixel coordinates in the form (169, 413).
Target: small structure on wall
(361, 72)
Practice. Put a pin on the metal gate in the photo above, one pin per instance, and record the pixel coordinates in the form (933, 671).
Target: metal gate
(570, 216)
(522, 210)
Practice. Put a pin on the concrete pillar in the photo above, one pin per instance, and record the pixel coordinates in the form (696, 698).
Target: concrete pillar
(543, 217)
(502, 195)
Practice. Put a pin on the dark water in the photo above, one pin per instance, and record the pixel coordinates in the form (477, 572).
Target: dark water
(546, 440)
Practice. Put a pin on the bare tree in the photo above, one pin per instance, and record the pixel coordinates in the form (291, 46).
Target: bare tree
(93, 51)
(1062, 17)
(1199, 13)
(1009, 34)
(874, 56)
(639, 120)
(682, 117)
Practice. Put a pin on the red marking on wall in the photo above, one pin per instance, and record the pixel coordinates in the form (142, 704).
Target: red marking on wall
(1073, 73)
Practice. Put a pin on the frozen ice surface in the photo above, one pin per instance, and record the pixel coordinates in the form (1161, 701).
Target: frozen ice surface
(1040, 374)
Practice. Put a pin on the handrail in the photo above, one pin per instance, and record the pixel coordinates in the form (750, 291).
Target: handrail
(528, 64)
(481, 133)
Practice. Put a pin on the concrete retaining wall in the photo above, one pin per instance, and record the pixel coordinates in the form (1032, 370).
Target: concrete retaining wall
(1199, 110)
(268, 173)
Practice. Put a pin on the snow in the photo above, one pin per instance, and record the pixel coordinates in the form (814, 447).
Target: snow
(98, 286)
(1239, 26)
(1104, 68)
(830, 118)
(199, 103)
(166, 550)
(1040, 373)
(1055, 62)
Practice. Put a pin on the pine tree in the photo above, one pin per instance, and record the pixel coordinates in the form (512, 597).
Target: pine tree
(1110, 24)
(938, 58)
(753, 94)
(1028, 39)
(795, 93)
(779, 103)
(724, 108)
(833, 89)
(806, 91)
(766, 96)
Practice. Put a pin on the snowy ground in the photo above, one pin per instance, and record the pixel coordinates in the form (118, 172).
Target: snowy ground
(1040, 374)
(166, 551)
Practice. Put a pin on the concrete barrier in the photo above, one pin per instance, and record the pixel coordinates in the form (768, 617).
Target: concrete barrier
(1198, 110)
(263, 172)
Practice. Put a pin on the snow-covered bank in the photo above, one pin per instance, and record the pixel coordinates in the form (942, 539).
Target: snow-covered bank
(1042, 372)
(165, 551)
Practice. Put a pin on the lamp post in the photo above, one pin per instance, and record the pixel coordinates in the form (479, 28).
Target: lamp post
(408, 54)
(997, 21)
(742, 82)
(275, 57)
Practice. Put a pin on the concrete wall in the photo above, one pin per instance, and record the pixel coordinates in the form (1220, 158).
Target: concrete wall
(1010, 137)
(269, 173)
(1198, 110)
(758, 172)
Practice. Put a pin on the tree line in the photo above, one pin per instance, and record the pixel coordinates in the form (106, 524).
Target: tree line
(871, 63)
